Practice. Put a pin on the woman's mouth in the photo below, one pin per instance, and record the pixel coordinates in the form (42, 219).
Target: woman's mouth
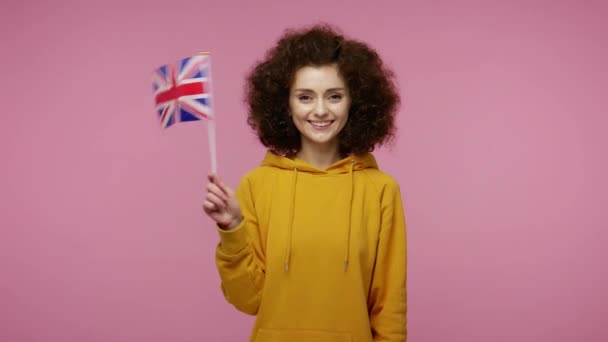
(321, 125)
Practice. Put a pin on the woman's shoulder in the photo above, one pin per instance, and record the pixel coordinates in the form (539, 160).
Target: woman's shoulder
(380, 179)
(385, 186)
(259, 175)
(367, 165)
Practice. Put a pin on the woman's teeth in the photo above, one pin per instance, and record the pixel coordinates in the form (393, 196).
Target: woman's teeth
(320, 124)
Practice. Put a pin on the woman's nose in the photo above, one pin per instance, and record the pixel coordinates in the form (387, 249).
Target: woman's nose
(320, 109)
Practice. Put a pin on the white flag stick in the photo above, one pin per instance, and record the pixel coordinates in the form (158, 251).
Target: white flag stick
(211, 120)
(212, 144)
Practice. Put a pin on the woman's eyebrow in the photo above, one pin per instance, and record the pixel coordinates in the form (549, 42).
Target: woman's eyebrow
(312, 91)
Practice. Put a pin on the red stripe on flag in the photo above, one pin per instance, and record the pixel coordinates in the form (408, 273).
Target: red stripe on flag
(182, 90)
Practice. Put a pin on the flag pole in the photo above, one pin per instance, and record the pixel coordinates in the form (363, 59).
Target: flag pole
(211, 121)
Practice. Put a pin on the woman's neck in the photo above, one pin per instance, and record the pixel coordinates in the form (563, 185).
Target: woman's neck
(319, 156)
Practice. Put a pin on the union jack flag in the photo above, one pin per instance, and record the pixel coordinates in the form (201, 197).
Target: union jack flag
(182, 90)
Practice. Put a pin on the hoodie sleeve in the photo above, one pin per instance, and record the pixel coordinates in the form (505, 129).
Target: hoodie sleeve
(388, 294)
(240, 259)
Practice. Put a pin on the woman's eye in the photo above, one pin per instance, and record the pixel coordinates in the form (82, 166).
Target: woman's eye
(336, 97)
(305, 98)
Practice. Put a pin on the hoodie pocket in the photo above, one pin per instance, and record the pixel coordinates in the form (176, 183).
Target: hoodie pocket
(275, 335)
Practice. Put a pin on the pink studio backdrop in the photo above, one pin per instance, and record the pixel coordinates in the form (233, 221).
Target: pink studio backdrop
(501, 158)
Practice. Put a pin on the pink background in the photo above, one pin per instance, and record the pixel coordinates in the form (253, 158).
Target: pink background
(501, 158)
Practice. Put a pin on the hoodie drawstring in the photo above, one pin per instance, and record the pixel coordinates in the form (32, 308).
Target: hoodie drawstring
(350, 213)
(290, 229)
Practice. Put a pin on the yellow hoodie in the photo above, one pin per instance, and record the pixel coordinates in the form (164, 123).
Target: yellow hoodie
(320, 255)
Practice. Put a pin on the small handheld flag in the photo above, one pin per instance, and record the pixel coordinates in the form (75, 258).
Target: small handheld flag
(182, 92)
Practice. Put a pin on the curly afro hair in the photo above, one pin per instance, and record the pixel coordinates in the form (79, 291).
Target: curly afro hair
(374, 99)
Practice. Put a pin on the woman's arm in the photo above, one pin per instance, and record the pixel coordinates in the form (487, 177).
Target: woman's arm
(388, 295)
(239, 256)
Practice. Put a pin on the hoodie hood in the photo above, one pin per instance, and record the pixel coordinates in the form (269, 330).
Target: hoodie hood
(347, 166)
(358, 162)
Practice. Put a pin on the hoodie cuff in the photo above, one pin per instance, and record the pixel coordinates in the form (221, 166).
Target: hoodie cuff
(234, 240)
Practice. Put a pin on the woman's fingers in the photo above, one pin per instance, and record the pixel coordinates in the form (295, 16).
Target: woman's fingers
(216, 180)
(214, 189)
(220, 203)
(227, 190)
(216, 201)
(208, 205)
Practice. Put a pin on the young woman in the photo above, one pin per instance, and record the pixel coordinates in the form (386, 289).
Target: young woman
(313, 242)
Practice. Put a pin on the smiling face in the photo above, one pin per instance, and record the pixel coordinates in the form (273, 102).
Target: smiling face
(319, 103)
